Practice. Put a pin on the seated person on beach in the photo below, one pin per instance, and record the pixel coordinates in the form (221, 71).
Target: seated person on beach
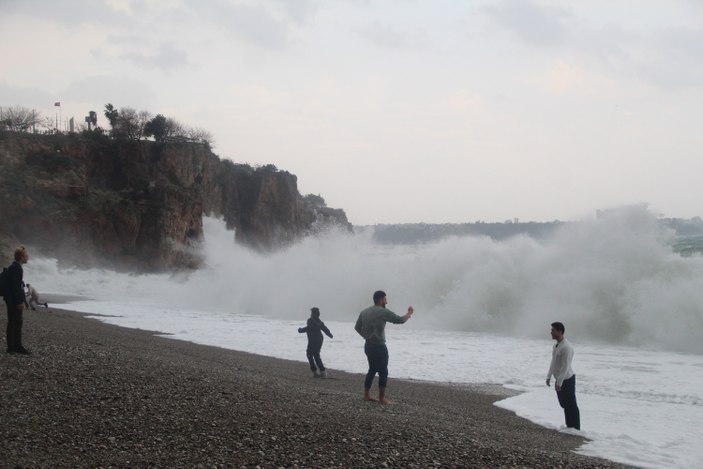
(314, 330)
(33, 297)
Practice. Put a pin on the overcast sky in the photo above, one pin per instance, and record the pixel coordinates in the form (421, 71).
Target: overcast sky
(397, 110)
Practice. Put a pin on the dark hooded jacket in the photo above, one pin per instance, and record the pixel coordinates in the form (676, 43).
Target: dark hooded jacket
(314, 330)
(15, 294)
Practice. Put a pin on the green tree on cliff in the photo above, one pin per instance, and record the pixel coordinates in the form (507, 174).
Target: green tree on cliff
(157, 128)
(164, 129)
(127, 123)
(131, 123)
(111, 114)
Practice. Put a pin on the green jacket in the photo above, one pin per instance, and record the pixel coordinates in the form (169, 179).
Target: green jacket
(371, 324)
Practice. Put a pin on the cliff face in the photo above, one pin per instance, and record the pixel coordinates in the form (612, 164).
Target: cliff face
(263, 205)
(139, 205)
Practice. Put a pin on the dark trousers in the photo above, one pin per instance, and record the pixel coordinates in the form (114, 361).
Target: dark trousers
(567, 401)
(377, 355)
(313, 353)
(14, 327)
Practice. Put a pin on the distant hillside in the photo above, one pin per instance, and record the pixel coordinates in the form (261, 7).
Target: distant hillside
(88, 199)
(412, 233)
(690, 232)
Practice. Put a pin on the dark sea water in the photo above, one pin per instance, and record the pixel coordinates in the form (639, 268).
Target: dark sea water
(688, 246)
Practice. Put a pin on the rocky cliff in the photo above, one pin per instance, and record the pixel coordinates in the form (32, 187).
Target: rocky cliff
(139, 205)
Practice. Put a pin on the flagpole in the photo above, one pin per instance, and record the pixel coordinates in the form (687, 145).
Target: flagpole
(58, 103)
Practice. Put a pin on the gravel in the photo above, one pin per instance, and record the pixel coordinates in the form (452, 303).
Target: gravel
(93, 395)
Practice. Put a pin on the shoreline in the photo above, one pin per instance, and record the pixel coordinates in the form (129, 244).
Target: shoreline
(99, 395)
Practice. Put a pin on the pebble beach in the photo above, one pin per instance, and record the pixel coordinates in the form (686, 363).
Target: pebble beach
(93, 395)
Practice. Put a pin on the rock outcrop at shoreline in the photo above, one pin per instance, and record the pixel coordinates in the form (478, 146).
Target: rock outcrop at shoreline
(98, 396)
(138, 204)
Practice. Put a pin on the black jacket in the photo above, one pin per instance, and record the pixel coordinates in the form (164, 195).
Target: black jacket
(16, 285)
(314, 330)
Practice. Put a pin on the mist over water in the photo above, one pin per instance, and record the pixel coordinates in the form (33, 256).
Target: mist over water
(614, 280)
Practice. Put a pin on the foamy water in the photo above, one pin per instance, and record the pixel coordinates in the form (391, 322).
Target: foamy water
(633, 310)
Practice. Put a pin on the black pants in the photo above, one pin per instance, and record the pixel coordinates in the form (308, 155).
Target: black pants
(313, 353)
(567, 401)
(377, 355)
(14, 328)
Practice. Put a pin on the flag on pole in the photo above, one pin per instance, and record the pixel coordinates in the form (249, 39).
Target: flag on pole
(57, 103)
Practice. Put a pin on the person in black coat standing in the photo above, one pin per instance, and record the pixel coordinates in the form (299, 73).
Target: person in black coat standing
(14, 300)
(314, 329)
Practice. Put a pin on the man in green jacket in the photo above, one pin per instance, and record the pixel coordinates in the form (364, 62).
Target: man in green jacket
(371, 326)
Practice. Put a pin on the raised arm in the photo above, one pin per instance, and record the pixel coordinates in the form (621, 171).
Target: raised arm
(394, 318)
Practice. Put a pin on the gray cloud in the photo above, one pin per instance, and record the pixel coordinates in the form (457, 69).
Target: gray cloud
(253, 24)
(678, 58)
(69, 12)
(386, 36)
(532, 23)
(265, 23)
(166, 58)
(665, 58)
(300, 11)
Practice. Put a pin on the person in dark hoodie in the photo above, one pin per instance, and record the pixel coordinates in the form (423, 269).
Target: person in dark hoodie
(14, 300)
(314, 329)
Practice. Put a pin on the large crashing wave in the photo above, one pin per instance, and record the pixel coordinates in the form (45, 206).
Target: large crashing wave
(613, 279)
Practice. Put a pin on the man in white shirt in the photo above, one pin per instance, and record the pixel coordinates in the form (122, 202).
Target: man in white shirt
(564, 377)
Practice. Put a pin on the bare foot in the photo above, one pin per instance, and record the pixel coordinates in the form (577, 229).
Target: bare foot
(369, 398)
(384, 401)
